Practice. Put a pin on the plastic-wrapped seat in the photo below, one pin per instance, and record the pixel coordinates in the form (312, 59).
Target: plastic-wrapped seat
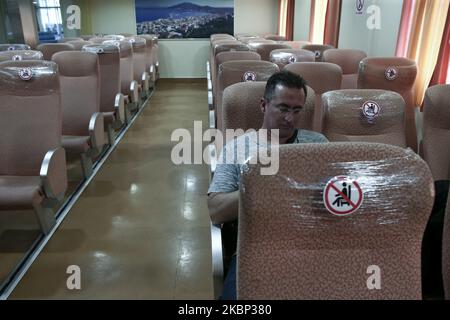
(364, 116)
(283, 57)
(11, 47)
(150, 42)
(241, 104)
(18, 55)
(140, 63)
(322, 77)
(264, 49)
(129, 87)
(33, 164)
(434, 148)
(49, 49)
(337, 221)
(348, 60)
(395, 74)
(112, 101)
(79, 44)
(82, 124)
(296, 44)
(318, 50)
(97, 40)
(232, 72)
(217, 36)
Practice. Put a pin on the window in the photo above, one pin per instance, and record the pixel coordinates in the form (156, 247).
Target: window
(49, 18)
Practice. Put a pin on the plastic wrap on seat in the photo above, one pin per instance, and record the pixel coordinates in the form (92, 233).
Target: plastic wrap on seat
(364, 116)
(318, 50)
(11, 47)
(395, 74)
(18, 55)
(337, 221)
(283, 57)
(118, 37)
(228, 46)
(101, 48)
(296, 44)
(264, 49)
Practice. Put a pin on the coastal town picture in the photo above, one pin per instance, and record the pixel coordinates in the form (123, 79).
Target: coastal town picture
(178, 19)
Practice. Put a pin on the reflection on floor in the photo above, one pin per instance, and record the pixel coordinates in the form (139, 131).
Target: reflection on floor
(141, 228)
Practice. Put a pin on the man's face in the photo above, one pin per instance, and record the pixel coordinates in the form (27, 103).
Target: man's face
(283, 111)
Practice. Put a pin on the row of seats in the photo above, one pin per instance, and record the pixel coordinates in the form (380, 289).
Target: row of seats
(377, 109)
(63, 106)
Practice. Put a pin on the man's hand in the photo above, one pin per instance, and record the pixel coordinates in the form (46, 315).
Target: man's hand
(223, 207)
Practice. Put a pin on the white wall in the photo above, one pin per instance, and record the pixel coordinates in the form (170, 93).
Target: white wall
(183, 58)
(354, 33)
(256, 16)
(302, 19)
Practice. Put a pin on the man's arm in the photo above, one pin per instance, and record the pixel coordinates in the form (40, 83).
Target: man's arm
(223, 207)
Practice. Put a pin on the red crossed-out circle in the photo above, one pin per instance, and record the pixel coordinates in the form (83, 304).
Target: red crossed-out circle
(331, 185)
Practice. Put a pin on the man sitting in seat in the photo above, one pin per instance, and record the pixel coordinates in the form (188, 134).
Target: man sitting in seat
(282, 104)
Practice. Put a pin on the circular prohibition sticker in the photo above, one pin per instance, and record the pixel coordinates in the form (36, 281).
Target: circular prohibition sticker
(249, 76)
(342, 196)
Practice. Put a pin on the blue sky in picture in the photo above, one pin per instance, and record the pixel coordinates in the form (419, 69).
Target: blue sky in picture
(170, 3)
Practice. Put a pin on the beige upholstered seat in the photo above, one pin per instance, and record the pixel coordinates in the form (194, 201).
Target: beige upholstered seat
(275, 37)
(365, 116)
(296, 44)
(348, 60)
(18, 55)
(322, 77)
(11, 47)
(32, 161)
(283, 57)
(395, 74)
(112, 103)
(217, 36)
(318, 50)
(232, 72)
(49, 49)
(264, 49)
(241, 104)
(129, 87)
(79, 44)
(436, 136)
(150, 42)
(290, 246)
(141, 76)
(82, 124)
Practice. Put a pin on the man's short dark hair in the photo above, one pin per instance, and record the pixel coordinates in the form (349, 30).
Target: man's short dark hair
(285, 79)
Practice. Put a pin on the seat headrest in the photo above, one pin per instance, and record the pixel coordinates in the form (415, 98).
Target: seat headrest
(10, 47)
(125, 47)
(137, 42)
(28, 78)
(18, 55)
(76, 63)
(101, 48)
(287, 56)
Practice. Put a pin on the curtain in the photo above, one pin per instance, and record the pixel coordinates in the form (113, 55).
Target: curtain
(441, 71)
(423, 40)
(286, 19)
(317, 23)
(332, 22)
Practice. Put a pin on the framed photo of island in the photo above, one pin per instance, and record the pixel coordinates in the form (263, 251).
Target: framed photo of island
(184, 19)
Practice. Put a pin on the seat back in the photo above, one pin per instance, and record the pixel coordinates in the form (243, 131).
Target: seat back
(139, 56)
(395, 74)
(232, 72)
(126, 64)
(18, 55)
(87, 37)
(241, 106)
(348, 60)
(364, 116)
(79, 44)
(109, 71)
(80, 90)
(65, 40)
(436, 131)
(296, 44)
(264, 49)
(150, 44)
(49, 49)
(318, 50)
(11, 47)
(275, 37)
(97, 40)
(294, 243)
(322, 77)
(116, 37)
(283, 57)
(30, 115)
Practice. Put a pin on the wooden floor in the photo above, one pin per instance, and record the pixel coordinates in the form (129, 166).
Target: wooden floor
(141, 228)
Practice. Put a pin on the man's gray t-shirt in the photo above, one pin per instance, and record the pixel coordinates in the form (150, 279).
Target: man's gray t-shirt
(228, 171)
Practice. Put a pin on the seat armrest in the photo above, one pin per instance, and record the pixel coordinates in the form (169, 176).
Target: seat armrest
(134, 89)
(145, 80)
(97, 132)
(119, 108)
(53, 174)
(217, 260)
